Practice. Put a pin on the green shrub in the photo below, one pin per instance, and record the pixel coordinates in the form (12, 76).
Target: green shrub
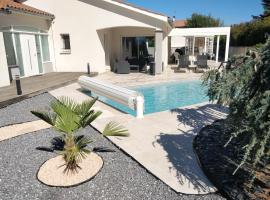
(244, 85)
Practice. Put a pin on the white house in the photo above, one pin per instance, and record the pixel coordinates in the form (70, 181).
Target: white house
(42, 36)
(64, 35)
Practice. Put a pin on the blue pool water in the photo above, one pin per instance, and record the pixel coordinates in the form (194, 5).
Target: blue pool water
(165, 96)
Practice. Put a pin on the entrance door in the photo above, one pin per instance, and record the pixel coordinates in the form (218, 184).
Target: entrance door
(29, 54)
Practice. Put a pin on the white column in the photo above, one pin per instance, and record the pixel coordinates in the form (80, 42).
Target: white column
(227, 47)
(193, 46)
(158, 51)
(205, 44)
(217, 52)
(4, 76)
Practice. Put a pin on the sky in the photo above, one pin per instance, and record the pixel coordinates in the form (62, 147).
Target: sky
(230, 11)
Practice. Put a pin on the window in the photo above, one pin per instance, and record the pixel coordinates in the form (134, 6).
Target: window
(10, 53)
(45, 48)
(65, 43)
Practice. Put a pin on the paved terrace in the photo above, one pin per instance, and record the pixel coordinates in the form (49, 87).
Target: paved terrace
(35, 85)
(135, 79)
(161, 142)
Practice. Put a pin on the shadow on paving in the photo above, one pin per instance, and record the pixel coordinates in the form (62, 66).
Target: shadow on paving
(179, 147)
(197, 118)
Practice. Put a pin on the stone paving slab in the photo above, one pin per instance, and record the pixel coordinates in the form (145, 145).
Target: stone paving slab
(161, 142)
(15, 130)
(163, 145)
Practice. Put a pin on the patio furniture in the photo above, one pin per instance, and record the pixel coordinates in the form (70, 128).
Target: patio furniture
(176, 57)
(122, 67)
(152, 68)
(183, 61)
(192, 67)
(183, 64)
(201, 63)
(142, 63)
(134, 68)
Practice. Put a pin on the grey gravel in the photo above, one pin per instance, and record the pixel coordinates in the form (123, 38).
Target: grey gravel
(20, 112)
(120, 178)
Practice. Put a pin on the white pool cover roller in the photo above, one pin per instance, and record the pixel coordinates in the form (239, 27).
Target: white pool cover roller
(130, 98)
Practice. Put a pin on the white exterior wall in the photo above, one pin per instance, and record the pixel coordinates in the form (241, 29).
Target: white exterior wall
(178, 41)
(31, 21)
(4, 76)
(85, 21)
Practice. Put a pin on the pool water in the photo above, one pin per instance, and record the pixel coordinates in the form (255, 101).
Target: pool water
(165, 96)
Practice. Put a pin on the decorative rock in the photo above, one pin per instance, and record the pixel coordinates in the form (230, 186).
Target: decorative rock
(51, 173)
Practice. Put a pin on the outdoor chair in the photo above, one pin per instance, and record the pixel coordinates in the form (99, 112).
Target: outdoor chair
(122, 67)
(201, 63)
(142, 64)
(176, 57)
(183, 61)
(183, 64)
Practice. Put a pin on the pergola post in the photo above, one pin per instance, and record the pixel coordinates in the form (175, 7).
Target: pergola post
(193, 46)
(205, 44)
(227, 47)
(217, 52)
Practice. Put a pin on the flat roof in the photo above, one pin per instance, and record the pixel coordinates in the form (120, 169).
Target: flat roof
(200, 31)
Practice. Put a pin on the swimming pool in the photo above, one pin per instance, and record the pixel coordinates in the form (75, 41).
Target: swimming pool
(165, 96)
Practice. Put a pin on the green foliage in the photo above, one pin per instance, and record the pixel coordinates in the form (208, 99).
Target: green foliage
(244, 85)
(200, 21)
(250, 33)
(114, 129)
(68, 117)
(266, 6)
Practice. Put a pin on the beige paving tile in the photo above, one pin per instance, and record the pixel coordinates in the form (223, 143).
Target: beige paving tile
(8, 132)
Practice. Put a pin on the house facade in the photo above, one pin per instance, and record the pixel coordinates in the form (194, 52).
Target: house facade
(24, 40)
(65, 35)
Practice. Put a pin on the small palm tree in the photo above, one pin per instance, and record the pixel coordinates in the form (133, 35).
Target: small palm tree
(67, 117)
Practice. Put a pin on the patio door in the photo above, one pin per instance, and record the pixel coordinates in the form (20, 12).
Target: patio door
(29, 54)
(138, 47)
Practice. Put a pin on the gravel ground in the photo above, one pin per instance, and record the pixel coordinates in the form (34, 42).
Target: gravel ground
(120, 178)
(20, 112)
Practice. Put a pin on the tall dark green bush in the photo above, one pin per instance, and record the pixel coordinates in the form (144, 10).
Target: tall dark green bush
(200, 21)
(250, 33)
(244, 86)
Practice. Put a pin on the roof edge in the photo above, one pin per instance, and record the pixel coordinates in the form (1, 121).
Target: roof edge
(142, 10)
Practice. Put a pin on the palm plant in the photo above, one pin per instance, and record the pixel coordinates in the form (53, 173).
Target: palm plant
(67, 117)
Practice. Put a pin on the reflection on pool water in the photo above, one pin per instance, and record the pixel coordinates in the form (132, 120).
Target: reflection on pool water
(165, 96)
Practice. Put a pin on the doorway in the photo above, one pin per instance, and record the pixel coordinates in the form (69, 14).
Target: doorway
(29, 54)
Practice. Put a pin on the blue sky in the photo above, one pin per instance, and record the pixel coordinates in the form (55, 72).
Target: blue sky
(230, 11)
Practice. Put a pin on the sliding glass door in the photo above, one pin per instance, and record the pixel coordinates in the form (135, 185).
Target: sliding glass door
(138, 47)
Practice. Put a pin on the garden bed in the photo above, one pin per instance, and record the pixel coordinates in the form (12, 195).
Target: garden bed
(120, 178)
(219, 164)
